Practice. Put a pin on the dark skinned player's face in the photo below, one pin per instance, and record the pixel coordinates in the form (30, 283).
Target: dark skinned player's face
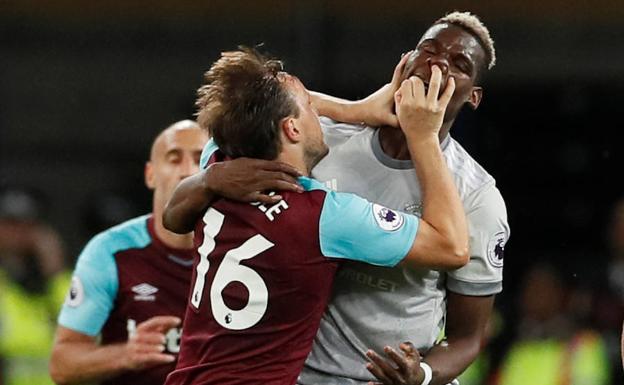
(458, 54)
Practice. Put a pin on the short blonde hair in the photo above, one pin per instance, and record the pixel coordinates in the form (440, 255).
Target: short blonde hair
(473, 24)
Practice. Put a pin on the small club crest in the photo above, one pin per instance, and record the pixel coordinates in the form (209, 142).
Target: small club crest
(388, 219)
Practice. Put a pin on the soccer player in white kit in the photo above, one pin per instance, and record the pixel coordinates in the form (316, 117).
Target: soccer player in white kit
(373, 307)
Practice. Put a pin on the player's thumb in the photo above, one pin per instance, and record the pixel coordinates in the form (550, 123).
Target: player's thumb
(397, 99)
(392, 120)
(159, 323)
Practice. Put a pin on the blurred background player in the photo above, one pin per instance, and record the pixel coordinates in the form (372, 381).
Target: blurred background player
(131, 282)
(33, 283)
(256, 261)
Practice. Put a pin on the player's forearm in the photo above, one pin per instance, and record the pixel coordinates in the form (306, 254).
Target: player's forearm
(451, 358)
(466, 321)
(442, 205)
(189, 201)
(75, 363)
(338, 109)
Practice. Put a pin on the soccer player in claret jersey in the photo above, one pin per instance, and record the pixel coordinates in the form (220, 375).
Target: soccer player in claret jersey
(130, 284)
(264, 273)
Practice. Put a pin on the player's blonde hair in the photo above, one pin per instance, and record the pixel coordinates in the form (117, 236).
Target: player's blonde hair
(473, 24)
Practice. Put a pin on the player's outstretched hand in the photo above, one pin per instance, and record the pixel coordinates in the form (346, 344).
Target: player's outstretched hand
(420, 111)
(403, 369)
(378, 107)
(146, 345)
(250, 180)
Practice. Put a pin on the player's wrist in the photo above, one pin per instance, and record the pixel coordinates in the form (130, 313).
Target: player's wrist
(419, 142)
(426, 372)
(123, 361)
(417, 135)
(362, 111)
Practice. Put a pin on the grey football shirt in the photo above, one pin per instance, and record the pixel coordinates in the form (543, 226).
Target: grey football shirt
(372, 306)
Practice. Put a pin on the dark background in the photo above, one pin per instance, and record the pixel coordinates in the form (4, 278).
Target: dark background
(84, 88)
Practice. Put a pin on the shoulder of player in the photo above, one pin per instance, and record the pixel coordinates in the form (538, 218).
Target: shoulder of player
(312, 198)
(339, 133)
(127, 235)
(328, 123)
(469, 174)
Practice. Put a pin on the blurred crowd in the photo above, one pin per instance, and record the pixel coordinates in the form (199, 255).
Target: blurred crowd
(557, 330)
(561, 329)
(34, 280)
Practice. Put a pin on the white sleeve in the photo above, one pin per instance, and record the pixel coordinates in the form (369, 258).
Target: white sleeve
(489, 232)
(336, 133)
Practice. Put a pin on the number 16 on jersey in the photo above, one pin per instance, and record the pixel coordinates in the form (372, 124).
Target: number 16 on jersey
(231, 270)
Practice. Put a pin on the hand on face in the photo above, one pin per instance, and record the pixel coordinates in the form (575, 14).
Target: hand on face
(419, 110)
(378, 108)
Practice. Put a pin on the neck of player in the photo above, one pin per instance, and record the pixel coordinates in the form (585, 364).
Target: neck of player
(172, 240)
(393, 141)
(294, 155)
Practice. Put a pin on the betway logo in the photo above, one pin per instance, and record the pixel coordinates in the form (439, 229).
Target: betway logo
(172, 338)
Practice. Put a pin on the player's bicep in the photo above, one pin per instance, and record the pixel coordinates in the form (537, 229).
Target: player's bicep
(352, 228)
(67, 336)
(93, 290)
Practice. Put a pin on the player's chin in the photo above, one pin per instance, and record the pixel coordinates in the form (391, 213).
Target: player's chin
(316, 155)
(323, 151)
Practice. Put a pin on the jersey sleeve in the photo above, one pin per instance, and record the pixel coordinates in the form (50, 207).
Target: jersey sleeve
(209, 149)
(489, 232)
(336, 133)
(352, 228)
(93, 288)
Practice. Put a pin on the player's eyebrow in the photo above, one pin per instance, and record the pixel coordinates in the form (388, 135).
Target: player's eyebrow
(429, 40)
(464, 56)
(173, 151)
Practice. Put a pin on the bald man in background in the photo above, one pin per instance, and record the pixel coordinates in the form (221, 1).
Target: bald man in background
(130, 284)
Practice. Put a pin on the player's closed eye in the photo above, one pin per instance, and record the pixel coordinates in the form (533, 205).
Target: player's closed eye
(174, 157)
(463, 66)
(428, 48)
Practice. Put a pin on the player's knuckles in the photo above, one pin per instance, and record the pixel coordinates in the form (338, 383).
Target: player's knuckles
(158, 322)
(147, 348)
(149, 338)
(283, 176)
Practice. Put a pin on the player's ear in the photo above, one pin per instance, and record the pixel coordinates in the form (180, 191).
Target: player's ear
(475, 97)
(149, 175)
(290, 129)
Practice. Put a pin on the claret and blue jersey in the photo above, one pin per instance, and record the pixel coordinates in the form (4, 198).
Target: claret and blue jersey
(264, 276)
(123, 277)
